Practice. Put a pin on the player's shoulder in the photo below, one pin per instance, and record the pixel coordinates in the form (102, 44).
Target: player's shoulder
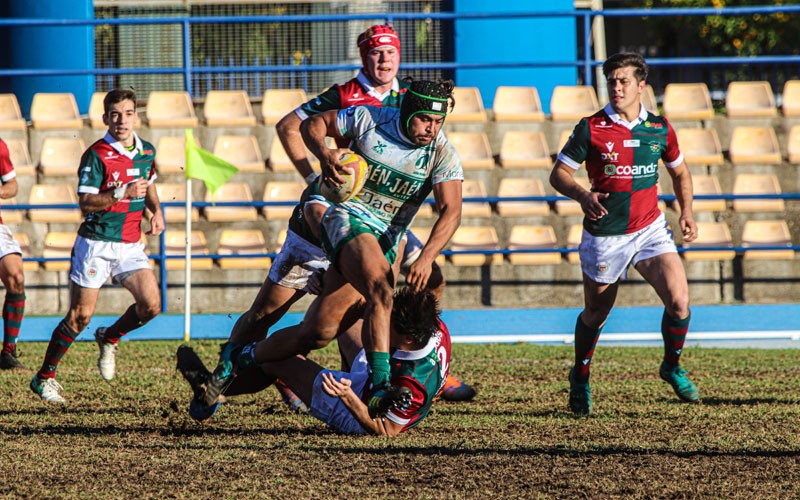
(147, 147)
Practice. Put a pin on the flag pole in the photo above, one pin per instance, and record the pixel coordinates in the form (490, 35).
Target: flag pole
(187, 286)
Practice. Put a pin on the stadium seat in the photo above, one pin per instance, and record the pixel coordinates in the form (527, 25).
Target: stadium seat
(793, 145)
(573, 102)
(54, 194)
(281, 191)
(58, 244)
(171, 155)
(230, 192)
(175, 192)
(175, 244)
(276, 103)
(469, 106)
(228, 108)
(757, 184)
(533, 237)
(473, 149)
(750, 100)
(573, 240)
(711, 234)
(562, 140)
(10, 114)
(572, 207)
(170, 109)
(21, 158)
(700, 146)
(754, 145)
(96, 112)
(242, 241)
(516, 188)
(25, 245)
(767, 233)
(60, 157)
(707, 185)
(279, 161)
(11, 216)
(517, 104)
(791, 98)
(473, 188)
(524, 149)
(242, 151)
(687, 101)
(649, 99)
(475, 238)
(57, 111)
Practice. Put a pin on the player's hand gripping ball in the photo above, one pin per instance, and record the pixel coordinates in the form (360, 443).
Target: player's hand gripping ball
(355, 176)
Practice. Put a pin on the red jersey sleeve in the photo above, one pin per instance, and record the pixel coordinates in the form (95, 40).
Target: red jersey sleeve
(672, 155)
(6, 168)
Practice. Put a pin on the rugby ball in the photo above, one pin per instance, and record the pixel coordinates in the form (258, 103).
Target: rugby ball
(355, 175)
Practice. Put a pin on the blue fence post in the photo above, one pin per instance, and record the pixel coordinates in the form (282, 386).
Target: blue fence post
(187, 56)
(162, 269)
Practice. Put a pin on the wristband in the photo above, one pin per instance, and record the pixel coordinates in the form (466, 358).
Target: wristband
(311, 178)
(119, 193)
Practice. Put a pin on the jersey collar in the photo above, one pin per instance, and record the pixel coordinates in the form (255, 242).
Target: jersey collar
(119, 148)
(370, 88)
(616, 118)
(418, 354)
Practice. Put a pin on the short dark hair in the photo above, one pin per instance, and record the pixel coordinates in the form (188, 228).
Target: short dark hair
(415, 313)
(118, 95)
(625, 59)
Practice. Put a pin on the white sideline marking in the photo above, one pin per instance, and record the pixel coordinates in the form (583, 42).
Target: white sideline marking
(569, 338)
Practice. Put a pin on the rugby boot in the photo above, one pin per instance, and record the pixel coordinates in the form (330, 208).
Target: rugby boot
(675, 376)
(457, 390)
(107, 359)
(223, 374)
(291, 399)
(192, 369)
(9, 361)
(47, 389)
(580, 396)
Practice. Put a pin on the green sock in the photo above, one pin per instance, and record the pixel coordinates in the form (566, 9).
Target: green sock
(380, 371)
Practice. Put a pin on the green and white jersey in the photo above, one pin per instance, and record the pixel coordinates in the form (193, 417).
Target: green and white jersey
(401, 174)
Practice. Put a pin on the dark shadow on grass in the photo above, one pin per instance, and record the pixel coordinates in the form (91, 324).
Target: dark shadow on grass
(68, 410)
(747, 401)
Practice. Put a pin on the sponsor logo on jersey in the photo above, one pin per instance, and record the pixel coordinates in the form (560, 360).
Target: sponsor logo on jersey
(603, 124)
(379, 147)
(650, 124)
(132, 172)
(609, 156)
(631, 170)
(115, 175)
(147, 152)
(631, 143)
(610, 146)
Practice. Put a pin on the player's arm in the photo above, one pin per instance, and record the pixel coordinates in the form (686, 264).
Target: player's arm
(152, 202)
(9, 189)
(343, 390)
(94, 202)
(448, 204)
(314, 130)
(562, 178)
(288, 130)
(684, 194)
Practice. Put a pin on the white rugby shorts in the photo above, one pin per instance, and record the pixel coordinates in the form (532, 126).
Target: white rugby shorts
(7, 242)
(296, 262)
(605, 259)
(93, 261)
(332, 410)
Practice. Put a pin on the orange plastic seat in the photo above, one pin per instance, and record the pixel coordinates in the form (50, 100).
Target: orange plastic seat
(649, 99)
(281, 191)
(25, 245)
(573, 241)
(533, 237)
(55, 111)
(231, 192)
(53, 194)
(21, 158)
(240, 151)
(750, 100)
(700, 146)
(524, 149)
(472, 188)
(687, 101)
(10, 113)
(573, 102)
(170, 109)
(767, 233)
(572, 207)
(518, 188)
(11, 216)
(276, 103)
(279, 161)
(473, 149)
(707, 185)
(242, 241)
(791, 98)
(751, 184)
(517, 104)
(228, 108)
(58, 244)
(175, 192)
(171, 155)
(711, 234)
(475, 238)
(175, 244)
(793, 145)
(754, 145)
(469, 106)
(60, 157)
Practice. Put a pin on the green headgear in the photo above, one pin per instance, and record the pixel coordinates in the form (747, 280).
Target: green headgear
(423, 96)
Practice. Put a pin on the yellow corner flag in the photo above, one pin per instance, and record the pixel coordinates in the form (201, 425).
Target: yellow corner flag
(200, 164)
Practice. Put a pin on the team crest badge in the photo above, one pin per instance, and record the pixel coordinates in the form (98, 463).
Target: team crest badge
(92, 272)
(602, 267)
(655, 147)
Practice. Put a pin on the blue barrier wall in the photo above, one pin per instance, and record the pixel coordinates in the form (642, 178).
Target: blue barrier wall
(513, 40)
(51, 47)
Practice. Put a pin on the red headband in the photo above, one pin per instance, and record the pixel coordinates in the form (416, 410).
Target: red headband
(380, 35)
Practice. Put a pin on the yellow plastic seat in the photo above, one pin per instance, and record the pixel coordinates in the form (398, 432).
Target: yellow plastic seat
(242, 241)
(228, 108)
(793, 145)
(475, 238)
(517, 104)
(170, 109)
(517, 188)
(96, 112)
(687, 101)
(757, 184)
(25, 245)
(11, 216)
(573, 102)
(754, 145)
(58, 244)
(21, 158)
(533, 237)
(10, 113)
(240, 151)
(707, 185)
(175, 244)
(473, 188)
(171, 155)
(53, 194)
(473, 149)
(767, 233)
(55, 111)
(279, 161)
(572, 207)
(649, 99)
(562, 140)
(711, 234)
(281, 191)
(524, 149)
(700, 146)
(276, 103)
(573, 241)
(231, 192)
(175, 192)
(423, 234)
(469, 106)
(60, 157)
(791, 98)
(750, 100)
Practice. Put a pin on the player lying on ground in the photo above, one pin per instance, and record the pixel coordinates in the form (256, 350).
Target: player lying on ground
(420, 356)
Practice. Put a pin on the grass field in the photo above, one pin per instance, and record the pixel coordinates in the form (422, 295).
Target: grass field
(133, 438)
